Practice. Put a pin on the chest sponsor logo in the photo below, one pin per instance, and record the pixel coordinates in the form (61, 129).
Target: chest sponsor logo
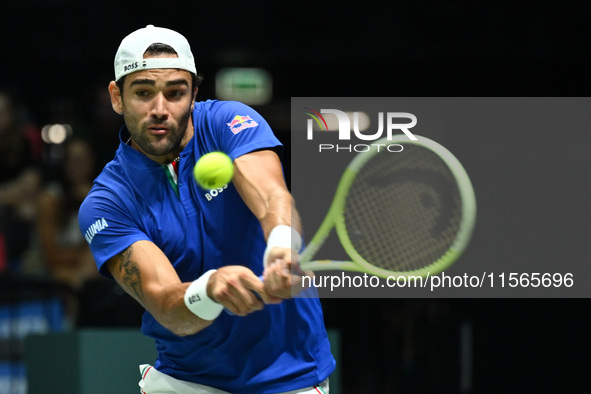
(213, 193)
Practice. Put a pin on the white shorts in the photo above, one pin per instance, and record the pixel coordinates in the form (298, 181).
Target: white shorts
(156, 382)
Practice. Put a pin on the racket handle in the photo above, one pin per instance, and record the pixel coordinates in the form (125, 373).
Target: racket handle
(257, 295)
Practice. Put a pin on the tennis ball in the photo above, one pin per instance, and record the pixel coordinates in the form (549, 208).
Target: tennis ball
(213, 170)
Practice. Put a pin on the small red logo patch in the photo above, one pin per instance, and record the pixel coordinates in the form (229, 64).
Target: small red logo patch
(240, 123)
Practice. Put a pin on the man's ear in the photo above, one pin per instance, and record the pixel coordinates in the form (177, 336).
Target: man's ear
(116, 99)
(195, 90)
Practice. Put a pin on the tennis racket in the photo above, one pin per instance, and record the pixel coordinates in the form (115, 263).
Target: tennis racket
(409, 213)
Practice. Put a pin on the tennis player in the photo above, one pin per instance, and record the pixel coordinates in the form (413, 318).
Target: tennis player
(185, 253)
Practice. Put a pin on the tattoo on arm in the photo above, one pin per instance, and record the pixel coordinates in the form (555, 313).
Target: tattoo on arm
(130, 273)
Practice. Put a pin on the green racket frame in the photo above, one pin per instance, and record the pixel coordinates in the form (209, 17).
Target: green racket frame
(335, 217)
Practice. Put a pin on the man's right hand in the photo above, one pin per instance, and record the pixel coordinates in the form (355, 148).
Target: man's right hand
(236, 288)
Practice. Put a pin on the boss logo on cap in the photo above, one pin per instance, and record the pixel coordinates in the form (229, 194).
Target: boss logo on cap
(131, 66)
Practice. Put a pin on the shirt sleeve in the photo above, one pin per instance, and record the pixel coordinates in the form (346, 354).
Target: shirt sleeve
(107, 227)
(238, 129)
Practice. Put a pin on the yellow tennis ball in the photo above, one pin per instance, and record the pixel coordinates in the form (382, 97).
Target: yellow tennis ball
(213, 170)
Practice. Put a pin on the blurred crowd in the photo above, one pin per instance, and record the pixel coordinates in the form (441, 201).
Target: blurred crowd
(42, 185)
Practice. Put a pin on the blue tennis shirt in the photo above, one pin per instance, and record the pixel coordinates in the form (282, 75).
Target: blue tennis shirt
(281, 348)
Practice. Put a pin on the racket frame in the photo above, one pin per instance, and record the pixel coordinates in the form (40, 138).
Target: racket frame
(335, 216)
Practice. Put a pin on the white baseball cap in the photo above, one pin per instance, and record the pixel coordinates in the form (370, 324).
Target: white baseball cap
(130, 55)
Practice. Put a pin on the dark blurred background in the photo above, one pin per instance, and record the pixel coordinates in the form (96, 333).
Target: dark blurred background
(57, 60)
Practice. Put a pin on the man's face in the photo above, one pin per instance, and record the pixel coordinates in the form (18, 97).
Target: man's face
(156, 106)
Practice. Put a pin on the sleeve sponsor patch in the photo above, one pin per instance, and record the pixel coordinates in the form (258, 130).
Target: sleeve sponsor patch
(240, 123)
(95, 228)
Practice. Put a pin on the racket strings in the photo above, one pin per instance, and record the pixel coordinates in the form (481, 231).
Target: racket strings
(403, 210)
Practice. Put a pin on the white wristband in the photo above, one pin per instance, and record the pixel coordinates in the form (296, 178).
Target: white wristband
(197, 300)
(284, 237)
